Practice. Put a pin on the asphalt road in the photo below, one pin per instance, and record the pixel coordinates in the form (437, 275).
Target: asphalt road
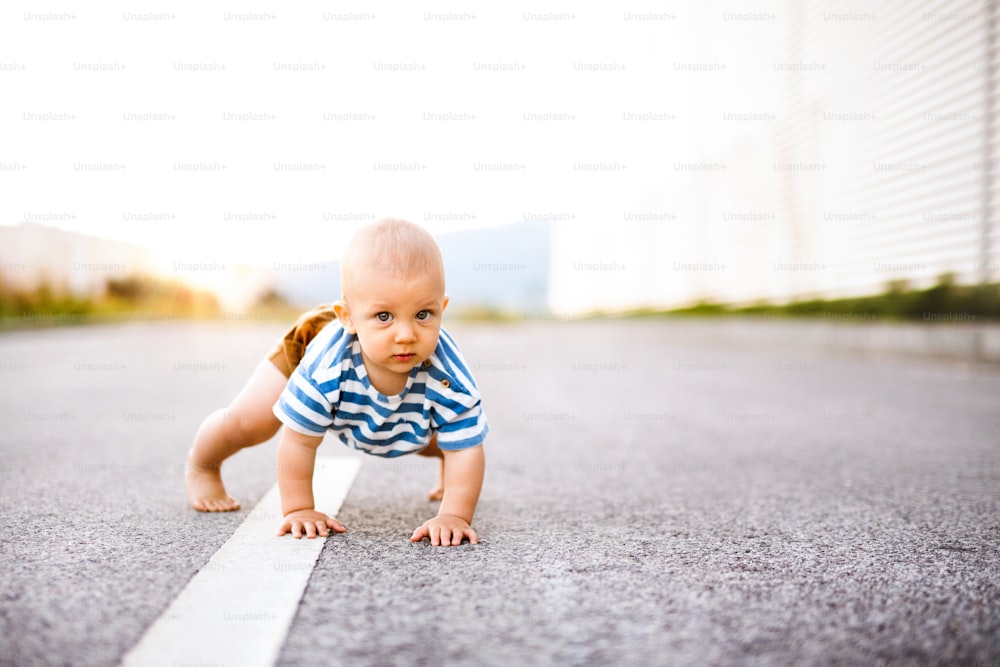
(653, 496)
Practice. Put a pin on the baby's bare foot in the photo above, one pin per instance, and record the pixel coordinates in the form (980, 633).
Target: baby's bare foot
(437, 493)
(205, 490)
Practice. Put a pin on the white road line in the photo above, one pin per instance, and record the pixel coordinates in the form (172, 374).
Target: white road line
(238, 608)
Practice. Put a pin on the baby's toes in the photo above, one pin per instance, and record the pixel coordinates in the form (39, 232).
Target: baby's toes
(200, 505)
(212, 504)
(229, 505)
(222, 505)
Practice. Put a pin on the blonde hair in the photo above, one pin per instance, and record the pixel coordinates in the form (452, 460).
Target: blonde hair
(398, 248)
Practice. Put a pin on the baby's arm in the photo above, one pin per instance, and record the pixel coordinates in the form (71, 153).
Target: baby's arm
(296, 460)
(463, 480)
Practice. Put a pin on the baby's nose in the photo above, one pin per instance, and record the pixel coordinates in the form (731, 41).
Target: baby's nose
(404, 333)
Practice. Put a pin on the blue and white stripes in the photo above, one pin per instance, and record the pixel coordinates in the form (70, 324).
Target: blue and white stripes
(330, 390)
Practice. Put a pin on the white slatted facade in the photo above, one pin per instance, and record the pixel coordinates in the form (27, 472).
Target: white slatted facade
(883, 163)
(989, 259)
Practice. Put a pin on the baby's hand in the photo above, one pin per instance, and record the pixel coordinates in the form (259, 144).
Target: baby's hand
(445, 530)
(311, 522)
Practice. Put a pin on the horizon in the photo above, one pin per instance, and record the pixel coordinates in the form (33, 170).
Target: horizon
(83, 262)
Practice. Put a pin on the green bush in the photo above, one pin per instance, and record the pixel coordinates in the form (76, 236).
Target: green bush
(944, 301)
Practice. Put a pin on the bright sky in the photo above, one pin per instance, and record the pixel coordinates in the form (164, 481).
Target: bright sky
(548, 87)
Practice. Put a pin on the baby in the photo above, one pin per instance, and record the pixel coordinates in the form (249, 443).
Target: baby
(376, 369)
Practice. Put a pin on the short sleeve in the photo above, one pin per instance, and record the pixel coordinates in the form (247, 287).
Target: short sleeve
(302, 406)
(464, 430)
(457, 410)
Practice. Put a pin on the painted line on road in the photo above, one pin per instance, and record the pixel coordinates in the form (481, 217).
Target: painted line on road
(238, 608)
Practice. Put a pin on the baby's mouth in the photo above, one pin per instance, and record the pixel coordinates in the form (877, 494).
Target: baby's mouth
(404, 357)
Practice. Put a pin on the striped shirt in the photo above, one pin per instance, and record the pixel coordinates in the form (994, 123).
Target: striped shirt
(330, 390)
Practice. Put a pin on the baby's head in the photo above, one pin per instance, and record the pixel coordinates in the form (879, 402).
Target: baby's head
(390, 248)
(392, 294)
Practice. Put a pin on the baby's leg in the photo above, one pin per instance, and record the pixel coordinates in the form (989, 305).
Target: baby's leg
(437, 493)
(247, 421)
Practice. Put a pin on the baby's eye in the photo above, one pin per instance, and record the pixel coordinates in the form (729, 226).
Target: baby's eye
(383, 316)
(424, 315)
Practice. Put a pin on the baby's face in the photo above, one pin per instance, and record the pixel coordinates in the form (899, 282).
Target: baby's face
(397, 320)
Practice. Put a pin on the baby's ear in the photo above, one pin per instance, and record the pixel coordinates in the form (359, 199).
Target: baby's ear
(444, 304)
(344, 316)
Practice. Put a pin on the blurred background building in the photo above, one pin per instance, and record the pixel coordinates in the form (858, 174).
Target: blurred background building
(862, 150)
(877, 159)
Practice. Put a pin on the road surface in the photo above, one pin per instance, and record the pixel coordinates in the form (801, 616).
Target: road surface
(653, 496)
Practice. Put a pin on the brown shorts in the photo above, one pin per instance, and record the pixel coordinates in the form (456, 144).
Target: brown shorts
(287, 352)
